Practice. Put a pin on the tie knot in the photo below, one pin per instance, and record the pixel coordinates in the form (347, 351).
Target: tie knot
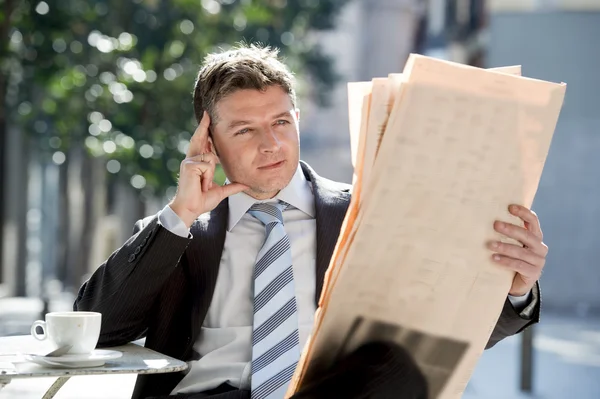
(268, 213)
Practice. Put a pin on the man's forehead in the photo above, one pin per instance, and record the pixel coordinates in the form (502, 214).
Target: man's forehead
(253, 104)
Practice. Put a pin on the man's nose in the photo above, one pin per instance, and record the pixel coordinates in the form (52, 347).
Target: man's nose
(269, 141)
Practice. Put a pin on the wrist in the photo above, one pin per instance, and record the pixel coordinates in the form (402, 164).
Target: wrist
(519, 294)
(184, 214)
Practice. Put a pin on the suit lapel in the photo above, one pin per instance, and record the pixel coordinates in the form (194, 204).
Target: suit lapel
(204, 253)
(331, 204)
(204, 256)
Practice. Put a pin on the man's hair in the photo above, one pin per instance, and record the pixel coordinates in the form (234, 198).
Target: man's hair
(243, 67)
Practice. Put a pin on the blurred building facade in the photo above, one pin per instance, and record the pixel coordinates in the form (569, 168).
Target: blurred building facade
(557, 41)
(373, 38)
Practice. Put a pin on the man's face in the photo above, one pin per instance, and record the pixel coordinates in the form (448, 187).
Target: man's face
(256, 138)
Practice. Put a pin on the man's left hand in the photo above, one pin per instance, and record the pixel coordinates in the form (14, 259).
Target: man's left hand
(527, 260)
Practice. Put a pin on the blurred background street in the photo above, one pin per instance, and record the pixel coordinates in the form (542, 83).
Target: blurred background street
(96, 114)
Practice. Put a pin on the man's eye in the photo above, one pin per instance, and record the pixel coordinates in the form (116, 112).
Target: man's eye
(282, 122)
(243, 131)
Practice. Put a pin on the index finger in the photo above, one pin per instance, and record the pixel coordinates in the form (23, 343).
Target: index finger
(530, 218)
(199, 140)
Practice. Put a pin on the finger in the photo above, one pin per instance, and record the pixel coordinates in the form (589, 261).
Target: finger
(523, 268)
(199, 140)
(524, 236)
(197, 168)
(516, 252)
(530, 218)
(207, 157)
(207, 178)
(231, 189)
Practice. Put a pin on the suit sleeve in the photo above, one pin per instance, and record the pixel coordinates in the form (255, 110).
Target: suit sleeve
(126, 286)
(512, 322)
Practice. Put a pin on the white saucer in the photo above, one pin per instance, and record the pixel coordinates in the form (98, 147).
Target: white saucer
(97, 358)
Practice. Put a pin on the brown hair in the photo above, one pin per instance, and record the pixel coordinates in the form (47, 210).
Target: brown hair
(243, 67)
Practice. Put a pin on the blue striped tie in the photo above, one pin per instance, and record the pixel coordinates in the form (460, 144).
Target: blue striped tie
(275, 344)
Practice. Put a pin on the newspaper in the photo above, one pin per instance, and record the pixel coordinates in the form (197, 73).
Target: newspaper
(439, 152)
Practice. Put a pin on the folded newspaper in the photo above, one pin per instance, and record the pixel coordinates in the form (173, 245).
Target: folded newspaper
(439, 152)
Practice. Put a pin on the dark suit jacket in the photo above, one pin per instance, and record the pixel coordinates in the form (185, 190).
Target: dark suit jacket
(159, 285)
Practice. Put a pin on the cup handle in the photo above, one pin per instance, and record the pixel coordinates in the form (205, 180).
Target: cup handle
(39, 337)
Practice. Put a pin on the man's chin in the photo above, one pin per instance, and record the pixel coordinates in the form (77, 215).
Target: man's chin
(262, 192)
(268, 190)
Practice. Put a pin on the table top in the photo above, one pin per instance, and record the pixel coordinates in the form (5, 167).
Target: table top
(136, 359)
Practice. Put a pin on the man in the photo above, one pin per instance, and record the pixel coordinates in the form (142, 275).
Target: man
(228, 278)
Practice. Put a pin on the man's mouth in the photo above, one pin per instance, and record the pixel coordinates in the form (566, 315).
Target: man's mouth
(273, 165)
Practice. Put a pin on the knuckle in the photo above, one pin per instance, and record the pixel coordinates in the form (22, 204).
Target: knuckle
(517, 252)
(505, 249)
(529, 236)
(533, 214)
(516, 264)
(209, 166)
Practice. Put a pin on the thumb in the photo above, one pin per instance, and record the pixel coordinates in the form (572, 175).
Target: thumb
(231, 189)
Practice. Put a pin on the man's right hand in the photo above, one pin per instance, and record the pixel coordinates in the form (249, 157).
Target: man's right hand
(196, 193)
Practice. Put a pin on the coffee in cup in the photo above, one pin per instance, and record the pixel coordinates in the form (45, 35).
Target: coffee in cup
(79, 330)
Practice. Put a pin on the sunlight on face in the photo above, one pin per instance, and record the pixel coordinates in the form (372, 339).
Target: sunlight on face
(256, 139)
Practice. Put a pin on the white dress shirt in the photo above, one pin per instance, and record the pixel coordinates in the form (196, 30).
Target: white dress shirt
(225, 340)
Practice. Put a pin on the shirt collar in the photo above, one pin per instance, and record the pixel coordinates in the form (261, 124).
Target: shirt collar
(298, 193)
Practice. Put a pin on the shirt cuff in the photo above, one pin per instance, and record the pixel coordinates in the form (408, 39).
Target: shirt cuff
(525, 305)
(520, 302)
(170, 221)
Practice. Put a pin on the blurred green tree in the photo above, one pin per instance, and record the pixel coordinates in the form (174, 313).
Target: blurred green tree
(116, 76)
(112, 80)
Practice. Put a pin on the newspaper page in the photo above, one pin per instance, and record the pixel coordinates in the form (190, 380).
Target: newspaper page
(460, 144)
(376, 124)
(378, 116)
(356, 106)
(358, 93)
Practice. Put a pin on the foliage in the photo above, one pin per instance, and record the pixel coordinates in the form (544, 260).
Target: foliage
(117, 76)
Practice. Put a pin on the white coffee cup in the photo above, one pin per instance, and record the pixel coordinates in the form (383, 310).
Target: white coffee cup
(80, 330)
